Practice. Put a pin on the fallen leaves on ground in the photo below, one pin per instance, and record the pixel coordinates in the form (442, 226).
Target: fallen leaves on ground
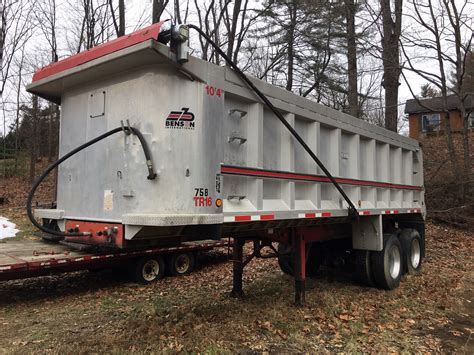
(98, 312)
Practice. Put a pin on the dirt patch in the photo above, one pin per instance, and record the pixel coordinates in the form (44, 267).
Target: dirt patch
(459, 336)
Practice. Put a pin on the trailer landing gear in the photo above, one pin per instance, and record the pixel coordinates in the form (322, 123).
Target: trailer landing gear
(298, 257)
(299, 265)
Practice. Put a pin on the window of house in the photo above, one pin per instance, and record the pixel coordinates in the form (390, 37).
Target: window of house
(471, 120)
(431, 122)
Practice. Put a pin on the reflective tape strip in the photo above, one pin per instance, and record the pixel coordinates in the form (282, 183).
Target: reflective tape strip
(263, 217)
(243, 218)
(315, 215)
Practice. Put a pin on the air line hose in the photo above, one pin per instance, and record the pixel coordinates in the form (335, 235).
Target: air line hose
(39, 180)
(352, 209)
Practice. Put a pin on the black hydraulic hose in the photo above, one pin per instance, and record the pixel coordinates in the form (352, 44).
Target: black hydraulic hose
(39, 180)
(352, 208)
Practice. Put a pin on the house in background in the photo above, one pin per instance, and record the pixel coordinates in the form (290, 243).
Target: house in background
(426, 116)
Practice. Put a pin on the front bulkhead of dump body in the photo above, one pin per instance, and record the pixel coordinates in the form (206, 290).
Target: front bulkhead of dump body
(108, 181)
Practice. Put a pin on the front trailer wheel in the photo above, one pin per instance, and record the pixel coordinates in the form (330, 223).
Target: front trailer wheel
(149, 269)
(387, 263)
(363, 267)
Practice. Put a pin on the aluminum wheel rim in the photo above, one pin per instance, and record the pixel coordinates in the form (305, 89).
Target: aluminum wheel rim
(394, 262)
(150, 270)
(182, 263)
(415, 256)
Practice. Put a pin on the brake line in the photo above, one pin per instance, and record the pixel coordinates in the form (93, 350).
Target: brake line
(128, 130)
(352, 210)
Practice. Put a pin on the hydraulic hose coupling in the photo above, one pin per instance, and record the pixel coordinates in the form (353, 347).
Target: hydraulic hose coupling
(180, 42)
(151, 173)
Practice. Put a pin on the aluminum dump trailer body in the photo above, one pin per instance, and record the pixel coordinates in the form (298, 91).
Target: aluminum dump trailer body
(212, 141)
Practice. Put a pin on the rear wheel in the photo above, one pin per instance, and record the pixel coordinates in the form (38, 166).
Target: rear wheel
(181, 264)
(364, 268)
(313, 261)
(387, 263)
(284, 258)
(149, 269)
(412, 250)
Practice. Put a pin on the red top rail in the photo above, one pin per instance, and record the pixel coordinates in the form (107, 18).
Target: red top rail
(115, 45)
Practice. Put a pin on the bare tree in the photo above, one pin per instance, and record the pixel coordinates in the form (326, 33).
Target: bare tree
(159, 7)
(15, 31)
(445, 39)
(232, 26)
(46, 18)
(120, 24)
(92, 23)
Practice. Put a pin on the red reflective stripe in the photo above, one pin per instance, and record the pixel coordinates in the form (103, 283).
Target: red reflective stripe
(395, 211)
(326, 214)
(296, 176)
(243, 218)
(310, 215)
(365, 213)
(180, 116)
(147, 33)
(266, 217)
(387, 211)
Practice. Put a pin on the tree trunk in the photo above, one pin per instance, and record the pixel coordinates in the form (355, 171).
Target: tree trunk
(467, 153)
(455, 21)
(233, 28)
(391, 60)
(291, 44)
(121, 31)
(352, 95)
(158, 8)
(50, 133)
(33, 139)
(177, 11)
(17, 118)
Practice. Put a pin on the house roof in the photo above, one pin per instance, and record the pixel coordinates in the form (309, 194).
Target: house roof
(435, 104)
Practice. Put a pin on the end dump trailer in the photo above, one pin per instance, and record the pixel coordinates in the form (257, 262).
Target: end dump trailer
(225, 165)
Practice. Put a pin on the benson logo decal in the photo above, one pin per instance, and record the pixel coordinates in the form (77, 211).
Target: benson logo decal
(180, 119)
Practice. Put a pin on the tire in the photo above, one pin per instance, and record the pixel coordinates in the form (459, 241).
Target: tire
(363, 268)
(387, 264)
(412, 244)
(285, 261)
(181, 263)
(313, 261)
(149, 269)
